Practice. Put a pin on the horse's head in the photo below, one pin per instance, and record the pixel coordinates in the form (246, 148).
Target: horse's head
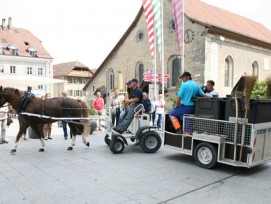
(8, 94)
(3, 99)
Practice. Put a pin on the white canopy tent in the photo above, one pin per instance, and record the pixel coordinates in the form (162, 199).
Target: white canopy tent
(11, 80)
(21, 82)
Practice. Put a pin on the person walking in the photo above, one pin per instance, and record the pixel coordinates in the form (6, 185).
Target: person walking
(64, 123)
(98, 105)
(47, 128)
(115, 108)
(3, 120)
(159, 111)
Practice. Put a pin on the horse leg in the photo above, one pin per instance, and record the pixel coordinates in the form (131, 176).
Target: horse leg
(23, 128)
(73, 134)
(86, 131)
(38, 129)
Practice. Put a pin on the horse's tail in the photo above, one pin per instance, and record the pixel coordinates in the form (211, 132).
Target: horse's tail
(86, 122)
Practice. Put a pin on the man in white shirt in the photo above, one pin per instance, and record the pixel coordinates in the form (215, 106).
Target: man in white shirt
(210, 91)
(3, 122)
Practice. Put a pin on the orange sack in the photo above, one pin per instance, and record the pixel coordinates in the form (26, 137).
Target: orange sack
(175, 122)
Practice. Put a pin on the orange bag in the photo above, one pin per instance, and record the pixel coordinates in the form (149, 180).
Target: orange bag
(175, 122)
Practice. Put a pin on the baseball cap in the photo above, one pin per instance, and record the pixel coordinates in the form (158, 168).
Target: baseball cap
(127, 83)
(134, 80)
(185, 74)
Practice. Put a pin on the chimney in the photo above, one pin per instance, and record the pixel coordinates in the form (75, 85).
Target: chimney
(3, 23)
(9, 23)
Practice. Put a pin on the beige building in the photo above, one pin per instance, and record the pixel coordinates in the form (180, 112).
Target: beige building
(22, 54)
(76, 76)
(219, 45)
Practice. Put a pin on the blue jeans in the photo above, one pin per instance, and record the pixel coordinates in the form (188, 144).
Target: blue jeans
(64, 125)
(126, 118)
(181, 110)
(158, 120)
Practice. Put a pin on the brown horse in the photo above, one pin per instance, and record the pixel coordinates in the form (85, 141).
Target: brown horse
(54, 107)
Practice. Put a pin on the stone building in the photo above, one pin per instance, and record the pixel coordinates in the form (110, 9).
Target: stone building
(76, 76)
(22, 54)
(219, 45)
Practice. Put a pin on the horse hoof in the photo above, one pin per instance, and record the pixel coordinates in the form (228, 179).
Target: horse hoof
(13, 151)
(41, 150)
(70, 148)
(87, 144)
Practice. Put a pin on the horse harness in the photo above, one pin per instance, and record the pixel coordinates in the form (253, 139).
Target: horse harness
(27, 98)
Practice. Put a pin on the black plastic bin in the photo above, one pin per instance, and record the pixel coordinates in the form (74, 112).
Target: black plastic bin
(259, 110)
(211, 108)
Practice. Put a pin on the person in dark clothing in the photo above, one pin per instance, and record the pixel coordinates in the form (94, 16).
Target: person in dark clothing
(146, 103)
(132, 102)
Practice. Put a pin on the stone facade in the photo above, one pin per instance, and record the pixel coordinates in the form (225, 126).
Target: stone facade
(205, 56)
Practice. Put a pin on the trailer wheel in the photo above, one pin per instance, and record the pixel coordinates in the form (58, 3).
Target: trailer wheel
(107, 140)
(116, 146)
(150, 142)
(205, 155)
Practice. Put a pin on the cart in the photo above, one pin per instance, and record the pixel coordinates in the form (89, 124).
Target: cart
(139, 132)
(212, 141)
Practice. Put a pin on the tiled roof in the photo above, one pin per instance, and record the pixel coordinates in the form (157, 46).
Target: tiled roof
(214, 16)
(64, 68)
(22, 39)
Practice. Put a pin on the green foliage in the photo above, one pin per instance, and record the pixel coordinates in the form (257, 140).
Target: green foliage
(91, 111)
(259, 90)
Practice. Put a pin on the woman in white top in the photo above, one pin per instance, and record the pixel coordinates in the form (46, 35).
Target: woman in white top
(3, 121)
(159, 112)
(115, 108)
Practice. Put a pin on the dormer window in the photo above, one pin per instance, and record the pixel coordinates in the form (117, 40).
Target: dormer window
(13, 49)
(32, 51)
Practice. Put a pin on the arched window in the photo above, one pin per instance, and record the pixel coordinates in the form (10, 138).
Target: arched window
(229, 70)
(174, 70)
(255, 69)
(139, 72)
(112, 80)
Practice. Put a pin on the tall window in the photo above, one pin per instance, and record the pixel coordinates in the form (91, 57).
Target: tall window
(176, 71)
(112, 81)
(40, 87)
(12, 69)
(139, 73)
(29, 70)
(229, 70)
(70, 92)
(255, 69)
(40, 71)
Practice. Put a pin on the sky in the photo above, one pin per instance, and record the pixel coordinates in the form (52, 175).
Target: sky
(87, 30)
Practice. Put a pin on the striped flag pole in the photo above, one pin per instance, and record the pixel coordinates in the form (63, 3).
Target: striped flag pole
(178, 15)
(158, 23)
(148, 11)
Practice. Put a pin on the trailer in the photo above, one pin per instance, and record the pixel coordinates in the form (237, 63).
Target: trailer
(212, 141)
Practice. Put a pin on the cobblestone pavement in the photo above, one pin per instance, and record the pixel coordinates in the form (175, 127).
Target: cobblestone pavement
(95, 175)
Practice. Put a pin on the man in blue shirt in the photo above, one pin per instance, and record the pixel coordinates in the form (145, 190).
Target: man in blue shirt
(184, 102)
(134, 100)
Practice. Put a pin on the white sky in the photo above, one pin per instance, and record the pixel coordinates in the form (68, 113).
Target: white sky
(87, 30)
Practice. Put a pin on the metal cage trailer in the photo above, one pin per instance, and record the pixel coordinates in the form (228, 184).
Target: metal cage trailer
(210, 141)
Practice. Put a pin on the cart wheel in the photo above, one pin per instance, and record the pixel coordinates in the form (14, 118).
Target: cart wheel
(205, 154)
(107, 140)
(116, 146)
(150, 142)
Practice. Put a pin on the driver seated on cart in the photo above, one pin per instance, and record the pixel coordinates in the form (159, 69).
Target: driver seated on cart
(131, 103)
(184, 102)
